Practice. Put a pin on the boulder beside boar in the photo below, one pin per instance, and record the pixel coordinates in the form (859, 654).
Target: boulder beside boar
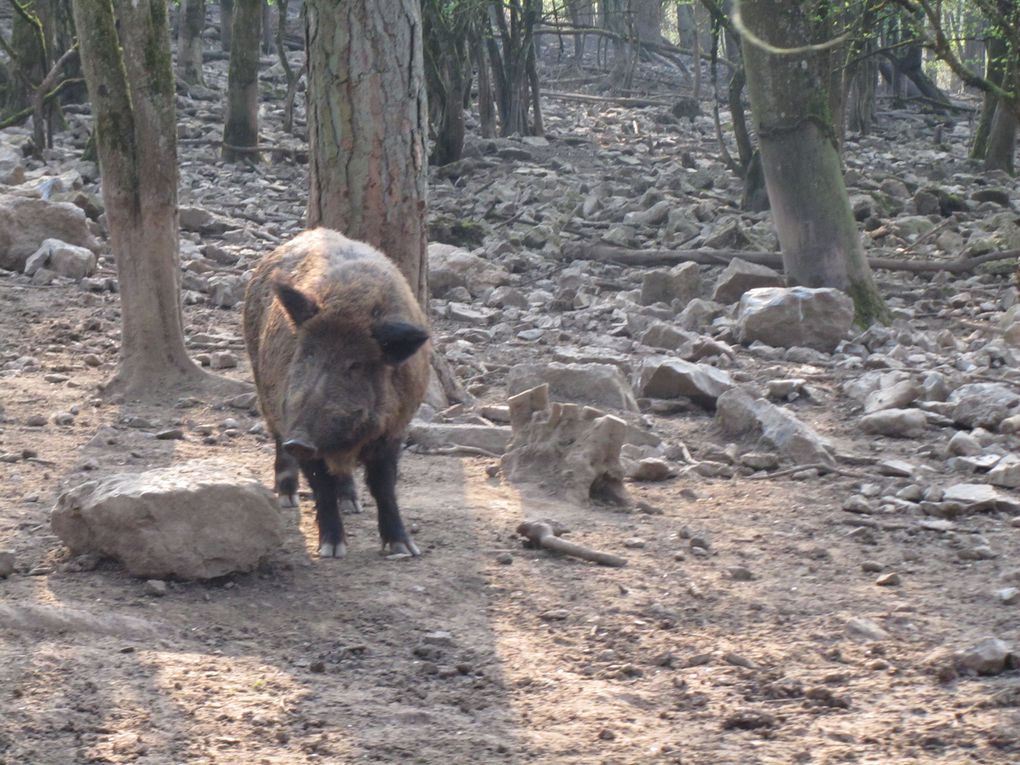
(338, 347)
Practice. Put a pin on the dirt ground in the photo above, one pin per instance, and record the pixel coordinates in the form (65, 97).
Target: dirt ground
(460, 656)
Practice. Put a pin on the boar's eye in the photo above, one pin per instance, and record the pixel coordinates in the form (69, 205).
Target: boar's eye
(398, 340)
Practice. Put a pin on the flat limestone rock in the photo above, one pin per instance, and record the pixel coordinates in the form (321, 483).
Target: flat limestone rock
(795, 316)
(196, 520)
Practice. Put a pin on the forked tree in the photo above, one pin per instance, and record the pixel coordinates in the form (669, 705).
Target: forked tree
(125, 53)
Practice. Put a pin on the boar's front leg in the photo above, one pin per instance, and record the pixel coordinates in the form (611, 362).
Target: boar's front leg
(326, 490)
(286, 469)
(381, 477)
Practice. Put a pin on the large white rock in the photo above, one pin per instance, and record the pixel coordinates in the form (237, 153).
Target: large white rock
(984, 405)
(740, 414)
(795, 316)
(26, 222)
(196, 520)
(593, 384)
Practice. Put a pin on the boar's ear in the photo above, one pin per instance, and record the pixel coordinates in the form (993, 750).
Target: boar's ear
(299, 306)
(398, 340)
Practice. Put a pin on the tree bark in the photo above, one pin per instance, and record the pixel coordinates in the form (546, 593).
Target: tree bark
(1001, 148)
(241, 129)
(367, 124)
(810, 206)
(128, 70)
(226, 24)
(995, 72)
(189, 42)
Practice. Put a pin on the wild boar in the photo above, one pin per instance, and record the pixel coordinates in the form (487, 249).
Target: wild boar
(339, 351)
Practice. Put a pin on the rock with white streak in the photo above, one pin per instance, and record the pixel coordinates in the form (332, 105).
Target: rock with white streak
(740, 414)
(793, 316)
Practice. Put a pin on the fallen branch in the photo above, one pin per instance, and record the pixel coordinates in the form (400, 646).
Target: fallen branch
(636, 103)
(819, 466)
(606, 253)
(541, 534)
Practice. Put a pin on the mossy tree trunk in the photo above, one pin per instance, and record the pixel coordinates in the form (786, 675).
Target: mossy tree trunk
(1001, 147)
(189, 42)
(125, 53)
(367, 125)
(810, 206)
(29, 43)
(241, 128)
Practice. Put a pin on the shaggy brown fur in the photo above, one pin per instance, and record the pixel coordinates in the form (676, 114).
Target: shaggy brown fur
(313, 317)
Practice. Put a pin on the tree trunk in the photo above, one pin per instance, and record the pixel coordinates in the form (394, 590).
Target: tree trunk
(226, 24)
(810, 206)
(288, 71)
(648, 20)
(130, 79)
(241, 129)
(995, 72)
(267, 28)
(367, 125)
(486, 103)
(189, 42)
(1001, 149)
(28, 41)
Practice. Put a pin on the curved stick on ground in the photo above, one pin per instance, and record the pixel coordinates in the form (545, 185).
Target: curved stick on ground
(542, 535)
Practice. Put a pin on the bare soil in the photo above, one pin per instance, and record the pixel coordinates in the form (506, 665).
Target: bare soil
(479, 651)
(460, 656)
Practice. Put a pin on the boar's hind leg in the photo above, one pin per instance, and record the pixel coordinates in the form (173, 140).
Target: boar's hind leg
(325, 488)
(348, 495)
(286, 467)
(381, 477)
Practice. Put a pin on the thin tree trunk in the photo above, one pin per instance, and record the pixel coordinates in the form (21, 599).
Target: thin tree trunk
(367, 125)
(288, 72)
(130, 80)
(226, 24)
(486, 106)
(189, 42)
(1001, 149)
(995, 71)
(810, 205)
(241, 128)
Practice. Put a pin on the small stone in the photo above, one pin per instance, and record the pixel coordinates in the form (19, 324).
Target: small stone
(651, 469)
(173, 434)
(978, 552)
(606, 735)
(865, 629)
(555, 615)
(858, 504)
(634, 543)
(1008, 596)
(892, 579)
(700, 542)
(505, 559)
(6, 563)
(317, 667)
(222, 360)
(63, 418)
(740, 573)
(989, 657)
(895, 423)
(439, 637)
(871, 566)
(156, 587)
